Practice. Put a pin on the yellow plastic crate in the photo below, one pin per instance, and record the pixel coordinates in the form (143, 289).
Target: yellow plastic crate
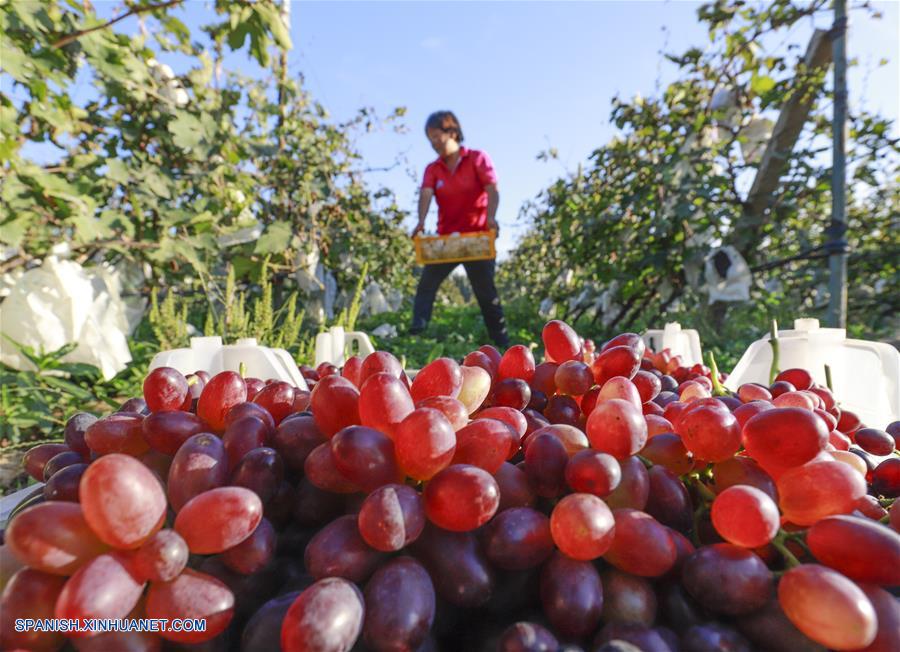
(455, 247)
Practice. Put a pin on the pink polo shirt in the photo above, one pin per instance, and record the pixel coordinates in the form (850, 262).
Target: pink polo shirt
(461, 199)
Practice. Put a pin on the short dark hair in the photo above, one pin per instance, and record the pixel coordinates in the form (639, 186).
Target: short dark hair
(445, 121)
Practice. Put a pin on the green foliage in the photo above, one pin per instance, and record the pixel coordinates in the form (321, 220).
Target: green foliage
(180, 171)
(168, 321)
(621, 244)
(36, 404)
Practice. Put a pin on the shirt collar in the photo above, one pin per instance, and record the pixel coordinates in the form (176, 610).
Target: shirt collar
(463, 153)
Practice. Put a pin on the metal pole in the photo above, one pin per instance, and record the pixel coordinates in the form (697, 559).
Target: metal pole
(836, 232)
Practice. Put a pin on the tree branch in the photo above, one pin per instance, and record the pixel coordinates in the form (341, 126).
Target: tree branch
(74, 36)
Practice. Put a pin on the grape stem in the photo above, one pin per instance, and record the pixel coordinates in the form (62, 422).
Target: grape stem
(778, 542)
(193, 380)
(886, 502)
(773, 341)
(647, 463)
(718, 389)
(702, 489)
(828, 378)
(242, 369)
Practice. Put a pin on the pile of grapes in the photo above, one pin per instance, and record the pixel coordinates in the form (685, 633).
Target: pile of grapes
(600, 500)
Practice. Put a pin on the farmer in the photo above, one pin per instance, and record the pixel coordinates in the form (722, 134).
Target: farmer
(465, 185)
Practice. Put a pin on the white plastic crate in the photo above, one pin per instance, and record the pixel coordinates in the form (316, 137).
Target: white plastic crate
(865, 375)
(210, 355)
(332, 345)
(680, 341)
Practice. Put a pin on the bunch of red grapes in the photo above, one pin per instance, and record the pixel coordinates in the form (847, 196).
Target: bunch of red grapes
(600, 500)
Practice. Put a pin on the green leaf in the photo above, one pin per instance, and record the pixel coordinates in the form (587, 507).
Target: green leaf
(275, 239)
(761, 84)
(117, 170)
(186, 130)
(237, 36)
(272, 18)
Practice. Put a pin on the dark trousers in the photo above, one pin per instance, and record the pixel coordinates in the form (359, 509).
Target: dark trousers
(481, 277)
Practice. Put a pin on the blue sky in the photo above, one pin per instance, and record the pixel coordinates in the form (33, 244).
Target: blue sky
(522, 76)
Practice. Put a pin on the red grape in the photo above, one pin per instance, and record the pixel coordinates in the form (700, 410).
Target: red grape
(634, 487)
(167, 431)
(617, 427)
(476, 387)
(117, 433)
(192, 595)
(462, 575)
(862, 550)
(161, 558)
(321, 471)
(199, 465)
(53, 537)
(561, 342)
(74, 433)
(819, 489)
(440, 377)
(727, 579)
(338, 550)
(261, 471)
(574, 378)
(165, 388)
(221, 393)
(253, 553)
(582, 526)
(515, 491)
(379, 362)
(218, 519)
(384, 402)
(518, 539)
(335, 404)
(364, 456)
(277, 399)
(400, 606)
(123, 501)
(424, 443)
(484, 443)
(593, 472)
(38, 456)
(527, 637)
(874, 441)
(391, 517)
(105, 587)
(461, 498)
(327, 616)
(616, 361)
(745, 516)
(572, 596)
(512, 392)
(30, 594)
(517, 362)
(784, 437)
(627, 598)
(454, 410)
(827, 607)
(710, 433)
(641, 545)
(545, 464)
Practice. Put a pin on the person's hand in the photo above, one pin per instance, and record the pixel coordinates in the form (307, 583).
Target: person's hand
(417, 230)
(494, 226)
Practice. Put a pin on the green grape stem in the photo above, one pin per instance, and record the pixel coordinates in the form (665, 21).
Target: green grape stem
(773, 341)
(242, 369)
(828, 378)
(718, 389)
(779, 543)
